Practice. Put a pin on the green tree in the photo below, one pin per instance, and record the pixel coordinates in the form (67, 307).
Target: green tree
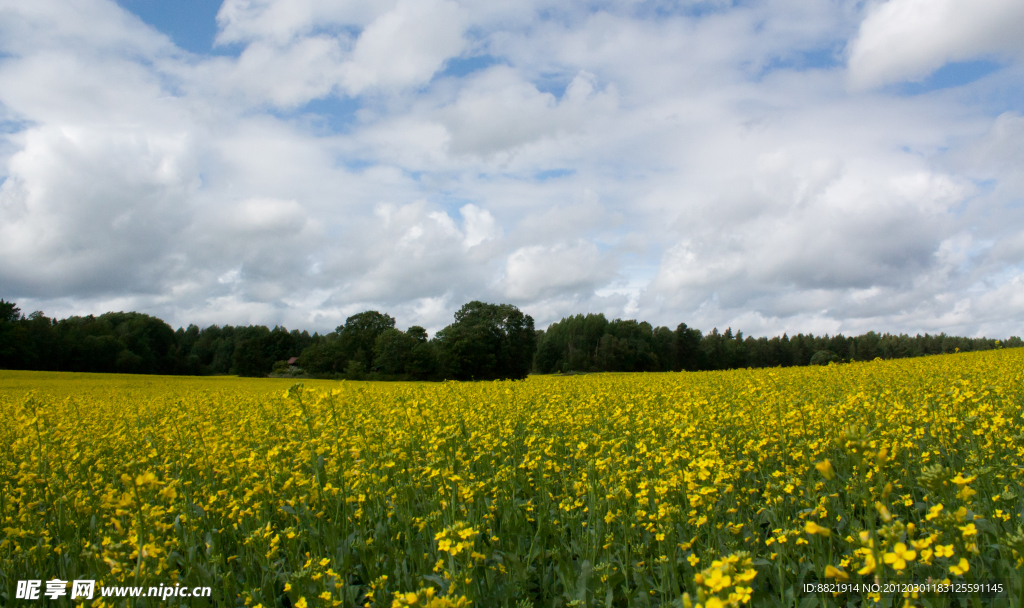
(487, 342)
(549, 355)
(422, 361)
(688, 351)
(570, 344)
(249, 360)
(10, 315)
(824, 357)
(124, 342)
(358, 336)
(324, 358)
(627, 346)
(393, 351)
(9, 312)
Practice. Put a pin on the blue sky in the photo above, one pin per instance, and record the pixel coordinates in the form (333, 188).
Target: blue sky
(773, 166)
(191, 24)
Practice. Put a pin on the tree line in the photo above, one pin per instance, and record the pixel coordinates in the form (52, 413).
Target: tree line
(137, 343)
(485, 342)
(591, 343)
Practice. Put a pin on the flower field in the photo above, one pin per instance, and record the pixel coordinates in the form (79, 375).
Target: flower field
(692, 489)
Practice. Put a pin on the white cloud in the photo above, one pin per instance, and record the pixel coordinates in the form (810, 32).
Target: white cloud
(404, 252)
(713, 169)
(479, 225)
(309, 68)
(88, 210)
(405, 46)
(909, 39)
(86, 27)
(300, 51)
(264, 216)
(499, 110)
(281, 21)
(540, 271)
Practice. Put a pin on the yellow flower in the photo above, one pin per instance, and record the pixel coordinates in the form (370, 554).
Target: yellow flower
(717, 581)
(432, 470)
(968, 530)
(301, 603)
(148, 478)
(812, 528)
(960, 480)
(869, 565)
(741, 595)
(825, 468)
(960, 568)
(899, 556)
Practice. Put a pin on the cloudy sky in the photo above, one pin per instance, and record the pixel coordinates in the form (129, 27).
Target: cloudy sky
(769, 165)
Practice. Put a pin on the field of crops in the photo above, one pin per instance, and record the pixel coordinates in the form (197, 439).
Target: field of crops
(691, 489)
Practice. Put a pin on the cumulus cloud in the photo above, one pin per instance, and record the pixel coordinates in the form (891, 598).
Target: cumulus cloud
(909, 39)
(712, 166)
(405, 252)
(262, 217)
(87, 210)
(299, 51)
(540, 271)
(309, 68)
(500, 110)
(405, 46)
(479, 225)
(281, 21)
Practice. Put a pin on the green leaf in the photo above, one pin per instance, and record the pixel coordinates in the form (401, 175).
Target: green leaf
(581, 583)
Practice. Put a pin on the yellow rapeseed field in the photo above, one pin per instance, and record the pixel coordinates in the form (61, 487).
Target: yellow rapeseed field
(695, 489)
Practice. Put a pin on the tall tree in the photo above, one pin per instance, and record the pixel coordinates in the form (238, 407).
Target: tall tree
(358, 336)
(487, 342)
(10, 314)
(688, 351)
(393, 351)
(249, 359)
